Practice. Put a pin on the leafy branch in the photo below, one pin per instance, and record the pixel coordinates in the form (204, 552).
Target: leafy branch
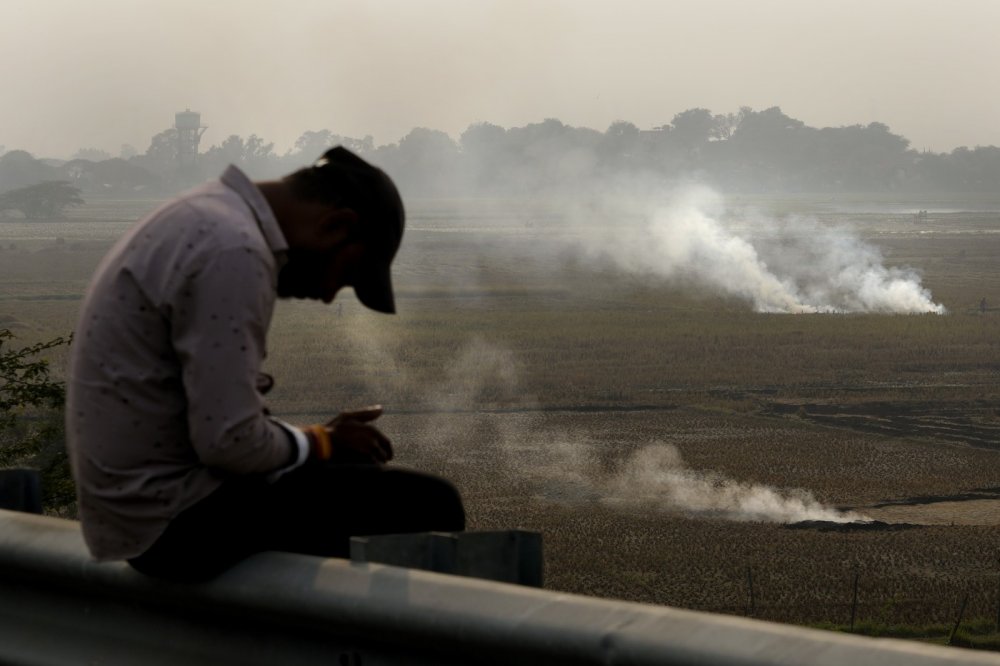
(35, 438)
(25, 380)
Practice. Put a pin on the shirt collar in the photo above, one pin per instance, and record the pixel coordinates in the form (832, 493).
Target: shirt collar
(236, 180)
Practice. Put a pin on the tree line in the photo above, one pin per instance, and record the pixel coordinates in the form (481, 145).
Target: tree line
(746, 151)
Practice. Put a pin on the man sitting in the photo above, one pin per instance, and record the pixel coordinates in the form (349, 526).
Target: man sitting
(179, 469)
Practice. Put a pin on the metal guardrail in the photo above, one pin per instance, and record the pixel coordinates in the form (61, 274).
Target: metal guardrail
(57, 606)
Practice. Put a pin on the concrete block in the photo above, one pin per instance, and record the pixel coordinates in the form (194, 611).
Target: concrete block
(510, 556)
(427, 551)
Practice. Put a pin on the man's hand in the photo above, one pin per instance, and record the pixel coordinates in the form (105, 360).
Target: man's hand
(355, 440)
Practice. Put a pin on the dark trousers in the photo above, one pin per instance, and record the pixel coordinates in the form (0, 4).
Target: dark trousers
(314, 510)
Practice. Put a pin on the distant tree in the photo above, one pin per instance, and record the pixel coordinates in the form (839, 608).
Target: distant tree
(315, 143)
(769, 150)
(19, 168)
(92, 154)
(962, 170)
(425, 162)
(763, 127)
(483, 139)
(724, 125)
(116, 177)
(311, 144)
(251, 154)
(553, 156)
(361, 146)
(127, 151)
(120, 176)
(619, 140)
(485, 158)
(44, 200)
(877, 158)
(693, 127)
(161, 156)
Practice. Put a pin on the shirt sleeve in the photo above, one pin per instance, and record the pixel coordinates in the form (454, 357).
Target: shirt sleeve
(219, 326)
(300, 445)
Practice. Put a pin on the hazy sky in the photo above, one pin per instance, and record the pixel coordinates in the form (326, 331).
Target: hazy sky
(100, 73)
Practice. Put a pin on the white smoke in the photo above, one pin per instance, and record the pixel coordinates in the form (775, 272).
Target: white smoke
(480, 375)
(558, 464)
(790, 267)
(656, 477)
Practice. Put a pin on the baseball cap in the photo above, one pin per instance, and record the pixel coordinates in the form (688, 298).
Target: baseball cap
(374, 197)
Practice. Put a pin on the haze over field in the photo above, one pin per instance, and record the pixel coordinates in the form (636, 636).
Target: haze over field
(111, 72)
(327, 71)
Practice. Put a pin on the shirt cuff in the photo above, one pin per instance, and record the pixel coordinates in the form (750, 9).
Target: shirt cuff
(301, 442)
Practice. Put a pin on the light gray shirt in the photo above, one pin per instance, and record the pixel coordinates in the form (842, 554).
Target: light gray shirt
(162, 403)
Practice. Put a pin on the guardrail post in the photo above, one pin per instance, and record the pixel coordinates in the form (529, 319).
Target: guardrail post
(20, 490)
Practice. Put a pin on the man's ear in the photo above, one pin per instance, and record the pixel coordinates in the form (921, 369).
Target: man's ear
(337, 226)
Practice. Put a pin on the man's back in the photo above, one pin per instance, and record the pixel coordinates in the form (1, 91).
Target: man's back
(182, 300)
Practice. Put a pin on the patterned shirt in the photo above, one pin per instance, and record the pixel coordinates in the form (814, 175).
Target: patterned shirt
(162, 404)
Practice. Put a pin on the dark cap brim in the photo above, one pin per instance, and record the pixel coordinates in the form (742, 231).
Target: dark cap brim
(373, 287)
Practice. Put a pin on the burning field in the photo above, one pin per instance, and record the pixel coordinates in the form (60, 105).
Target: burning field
(722, 410)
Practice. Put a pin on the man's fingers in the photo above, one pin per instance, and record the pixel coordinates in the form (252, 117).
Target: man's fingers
(362, 438)
(385, 444)
(364, 415)
(380, 445)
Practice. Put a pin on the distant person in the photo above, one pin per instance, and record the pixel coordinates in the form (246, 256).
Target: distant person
(178, 467)
(982, 306)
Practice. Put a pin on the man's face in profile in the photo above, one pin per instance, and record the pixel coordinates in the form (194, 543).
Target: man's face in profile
(319, 275)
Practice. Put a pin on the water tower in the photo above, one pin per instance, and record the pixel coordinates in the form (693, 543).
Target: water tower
(189, 131)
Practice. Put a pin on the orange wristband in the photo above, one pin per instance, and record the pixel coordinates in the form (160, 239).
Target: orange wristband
(321, 436)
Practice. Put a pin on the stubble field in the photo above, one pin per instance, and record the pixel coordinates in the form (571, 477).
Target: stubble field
(567, 397)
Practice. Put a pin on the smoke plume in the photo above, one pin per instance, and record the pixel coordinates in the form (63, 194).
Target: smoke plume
(656, 477)
(559, 464)
(793, 266)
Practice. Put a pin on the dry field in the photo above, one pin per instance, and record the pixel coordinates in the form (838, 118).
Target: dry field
(557, 394)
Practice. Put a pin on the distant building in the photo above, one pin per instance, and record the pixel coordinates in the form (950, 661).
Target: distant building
(189, 131)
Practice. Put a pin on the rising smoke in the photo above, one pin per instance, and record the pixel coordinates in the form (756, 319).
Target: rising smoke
(791, 266)
(657, 477)
(558, 464)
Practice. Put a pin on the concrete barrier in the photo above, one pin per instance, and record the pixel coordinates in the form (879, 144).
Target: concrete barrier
(57, 606)
(508, 556)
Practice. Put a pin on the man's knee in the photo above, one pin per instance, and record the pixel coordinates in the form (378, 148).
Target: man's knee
(437, 499)
(450, 506)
